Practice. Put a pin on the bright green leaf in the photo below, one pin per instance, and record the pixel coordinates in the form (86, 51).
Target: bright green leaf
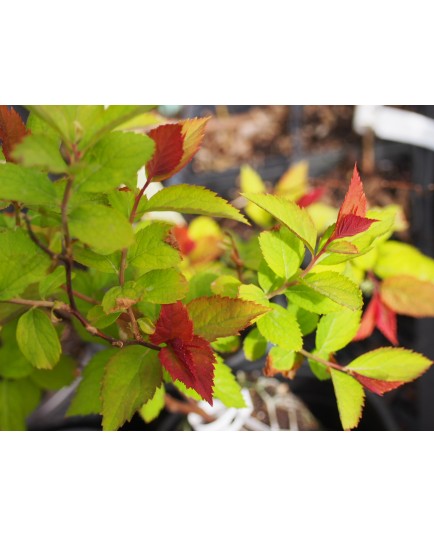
(282, 359)
(192, 199)
(226, 285)
(350, 397)
(153, 407)
(109, 264)
(52, 282)
(254, 345)
(18, 399)
(101, 227)
(100, 319)
(131, 377)
(283, 251)
(395, 258)
(226, 345)
(336, 330)
(280, 327)
(113, 161)
(253, 293)
(26, 186)
(121, 298)
(268, 280)
(162, 286)
(150, 250)
(295, 218)
(38, 340)
(391, 364)
(226, 387)
(13, 364)
(336, 287)
(251, 182)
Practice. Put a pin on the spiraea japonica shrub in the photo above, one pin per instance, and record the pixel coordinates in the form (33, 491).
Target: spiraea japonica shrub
(86, 258)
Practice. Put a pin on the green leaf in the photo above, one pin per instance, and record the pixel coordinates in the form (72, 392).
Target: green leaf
(102, 228)
(121, 298)
(38, 126)
(268, 280)
(295, 218)
(150, 250)
(52, 282)
(336, 330)
(40, 151)
(153, 407)
(336, 287)
(226, 285)
(13, 364)
(306, 320)
(100, 319)
(280, 327)
(18, 399)
(26, 186)
(113, 161)
(162, 286)
(350, 397)
(191, 199)
(200, 285)
(61, 375)
(219, 316)
(226, 387)
(407, 295)
(87, 397)
(283, 251)
(38, 340)
(131, 377)
(108, 264)
(391, 364)
(253, 293)
(395, 258)
(311, 300)
(226, 345)
(254, 345)
(282, 359)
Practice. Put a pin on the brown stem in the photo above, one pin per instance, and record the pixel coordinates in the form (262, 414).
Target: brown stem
(235, 257)
(67, 246)
(330, 364)
(17, 211)
(189, 406)
(32, 303)
(83, 297)
(40, 245)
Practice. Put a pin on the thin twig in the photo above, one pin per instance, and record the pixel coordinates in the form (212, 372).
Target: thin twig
(40, 245)
(330, 364)
(189, 406)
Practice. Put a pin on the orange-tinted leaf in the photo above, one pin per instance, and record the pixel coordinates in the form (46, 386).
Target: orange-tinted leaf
(176, 144)
(352, 214)
(378, 387)
(407, 295)
(193, 131)
(168, 140)
(342, 247)
(12, 130)
(355, 201)
(312, 197)
(378, 315)
(185, 243)
(186, 357)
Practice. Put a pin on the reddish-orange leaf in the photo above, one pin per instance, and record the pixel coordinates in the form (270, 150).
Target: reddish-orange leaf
(185, 243)
(187, 357)
(379, 315)
(378, 387)
(312, 197)
(367, 324)
(355, 201)
(12, 130)
(352, 214)
(168, 140)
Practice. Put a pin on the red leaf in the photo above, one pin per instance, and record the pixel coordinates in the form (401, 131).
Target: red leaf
(352, 214)
(350, 225)
(12, 130)
(168, 151)
(311, 197)
(186, 357)
(367, 325)
(386, 322)
(378, 315)
(173, 323)
(185, 243)
(355, 201)
(378, 387)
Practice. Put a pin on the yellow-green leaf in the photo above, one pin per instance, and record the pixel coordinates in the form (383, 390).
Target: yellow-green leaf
(350, 397)
(282, 251)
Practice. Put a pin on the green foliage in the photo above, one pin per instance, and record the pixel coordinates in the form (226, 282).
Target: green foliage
(84, 261)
